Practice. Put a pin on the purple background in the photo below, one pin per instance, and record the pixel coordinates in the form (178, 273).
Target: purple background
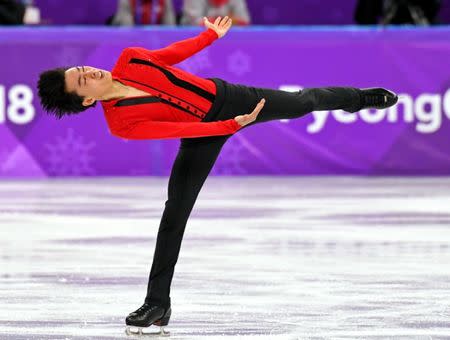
(413, 62)
(263, 12)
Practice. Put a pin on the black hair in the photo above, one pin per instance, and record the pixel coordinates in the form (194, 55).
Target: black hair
(54, 97)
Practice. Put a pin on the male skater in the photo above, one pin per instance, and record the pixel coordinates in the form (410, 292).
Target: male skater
(145, 97)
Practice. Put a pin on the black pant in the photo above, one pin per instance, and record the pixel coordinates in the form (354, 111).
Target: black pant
(196, 158)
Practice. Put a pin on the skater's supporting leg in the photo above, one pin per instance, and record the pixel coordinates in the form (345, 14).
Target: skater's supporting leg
(192, 165)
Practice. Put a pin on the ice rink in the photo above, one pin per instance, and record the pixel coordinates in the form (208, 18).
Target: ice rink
(262, 258)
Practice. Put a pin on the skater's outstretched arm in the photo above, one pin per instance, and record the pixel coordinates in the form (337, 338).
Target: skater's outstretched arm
(179, 51)
(167, 129)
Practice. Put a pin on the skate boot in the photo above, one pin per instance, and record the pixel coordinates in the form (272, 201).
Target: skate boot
(145, 316)
(377, 98)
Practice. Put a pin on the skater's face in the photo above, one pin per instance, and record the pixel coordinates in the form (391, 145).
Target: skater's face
(88, 82)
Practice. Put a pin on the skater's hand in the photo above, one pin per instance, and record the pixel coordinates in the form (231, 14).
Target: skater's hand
(220, 26)
(243, 120)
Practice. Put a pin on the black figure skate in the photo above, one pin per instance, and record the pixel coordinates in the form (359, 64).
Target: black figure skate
(377, 98)
(145, 316)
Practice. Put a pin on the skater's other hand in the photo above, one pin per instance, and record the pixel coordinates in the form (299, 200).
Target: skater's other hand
(220, 26)
(243, 120)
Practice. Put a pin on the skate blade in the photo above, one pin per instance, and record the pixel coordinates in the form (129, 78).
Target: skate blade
(143, 331)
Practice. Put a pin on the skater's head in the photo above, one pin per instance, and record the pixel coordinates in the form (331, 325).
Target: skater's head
(65, 91)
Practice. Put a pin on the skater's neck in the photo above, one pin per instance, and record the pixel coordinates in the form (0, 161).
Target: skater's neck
(116, 91)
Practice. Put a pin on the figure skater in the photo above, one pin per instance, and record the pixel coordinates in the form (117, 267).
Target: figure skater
(146, 97)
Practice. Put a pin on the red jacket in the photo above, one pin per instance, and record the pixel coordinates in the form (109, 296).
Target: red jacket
(177, 100)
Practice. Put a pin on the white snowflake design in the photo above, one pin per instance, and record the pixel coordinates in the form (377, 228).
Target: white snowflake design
(231, 159)
(239, 63)
(70, 155)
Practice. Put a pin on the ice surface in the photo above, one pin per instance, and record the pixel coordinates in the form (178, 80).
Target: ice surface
(262, 258)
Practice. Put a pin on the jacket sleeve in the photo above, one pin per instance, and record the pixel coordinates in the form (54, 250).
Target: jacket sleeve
(177, 52)
(163, 130)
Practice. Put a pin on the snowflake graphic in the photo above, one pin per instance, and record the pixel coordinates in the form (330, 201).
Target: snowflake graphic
(70, 155)
(239, 63)
(231, 159)
(197, 63)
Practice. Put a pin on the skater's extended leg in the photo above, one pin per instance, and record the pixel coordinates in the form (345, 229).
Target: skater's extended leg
(287, 105)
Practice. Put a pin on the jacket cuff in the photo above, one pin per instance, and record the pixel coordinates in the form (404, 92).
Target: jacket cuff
(211, 34)
(235, 125)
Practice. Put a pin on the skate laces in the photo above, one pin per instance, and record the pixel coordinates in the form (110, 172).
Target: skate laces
(374, 99)
(142, 308)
